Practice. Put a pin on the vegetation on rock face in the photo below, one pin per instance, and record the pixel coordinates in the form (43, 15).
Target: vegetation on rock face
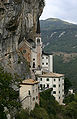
(9, 98)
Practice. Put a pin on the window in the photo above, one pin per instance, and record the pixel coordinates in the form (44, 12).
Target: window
(44, 85)
(54, 92)
(59, 97)
(41, 86)
(33, 64)
(33, 91)
(59, 91)
(38, 40)
(59, 85)
(59, 79)
(47, 85)
(42, 63)
(36, 79)
(47, 79)
(46, 57)
(54, 85)
(54, 79)
(42, 57)
(40, 79)
(29, 92)
(46, 63)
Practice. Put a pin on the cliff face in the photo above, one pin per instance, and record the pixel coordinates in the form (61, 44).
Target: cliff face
(18, 20)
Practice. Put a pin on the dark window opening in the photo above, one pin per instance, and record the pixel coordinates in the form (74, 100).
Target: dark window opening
(59, 79)
(40, 79)
(47, 79)
(38, 40)
(33, 64)
(29, 92)
(54, 92)
(47, 85)
(54, 79)
(54, 85)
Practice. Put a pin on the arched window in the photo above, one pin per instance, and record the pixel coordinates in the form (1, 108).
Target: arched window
(38, 40)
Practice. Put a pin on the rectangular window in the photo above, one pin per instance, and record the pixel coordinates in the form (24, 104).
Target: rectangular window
(29, 92)
(40, 79)
(42, 63)
(54, 92)
(47, 85)
(59, 79)
(59, 85)
(47, 79)
(36, 79)
(46, 63)
(54, 85)
(54, 79)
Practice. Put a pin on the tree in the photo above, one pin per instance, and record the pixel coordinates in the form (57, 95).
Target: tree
(67, 85)
(8, 96)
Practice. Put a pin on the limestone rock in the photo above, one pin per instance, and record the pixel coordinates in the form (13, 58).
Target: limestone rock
(18, 20)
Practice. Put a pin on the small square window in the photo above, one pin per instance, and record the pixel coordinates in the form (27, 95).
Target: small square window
(54, 92)
(46, 63)
(42, 63)
(46, 57)
(42, 57)
(54, 85)
(33, 59)
(47, 79)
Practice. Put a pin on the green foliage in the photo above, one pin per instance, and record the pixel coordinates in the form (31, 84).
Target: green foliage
(67, 85)
(67, 68)
(8, 96)
(39, 113)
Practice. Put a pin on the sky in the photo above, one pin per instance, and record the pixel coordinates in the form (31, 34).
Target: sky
(62, 9)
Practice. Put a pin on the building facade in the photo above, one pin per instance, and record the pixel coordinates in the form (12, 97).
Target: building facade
(47, 62)
(54, 81)
(29, 94)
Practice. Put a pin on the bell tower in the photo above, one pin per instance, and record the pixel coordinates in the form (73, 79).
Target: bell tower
(38, 44)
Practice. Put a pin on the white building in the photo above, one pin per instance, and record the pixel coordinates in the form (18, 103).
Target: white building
(29, 94)
(54, 81)
(47, 62)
